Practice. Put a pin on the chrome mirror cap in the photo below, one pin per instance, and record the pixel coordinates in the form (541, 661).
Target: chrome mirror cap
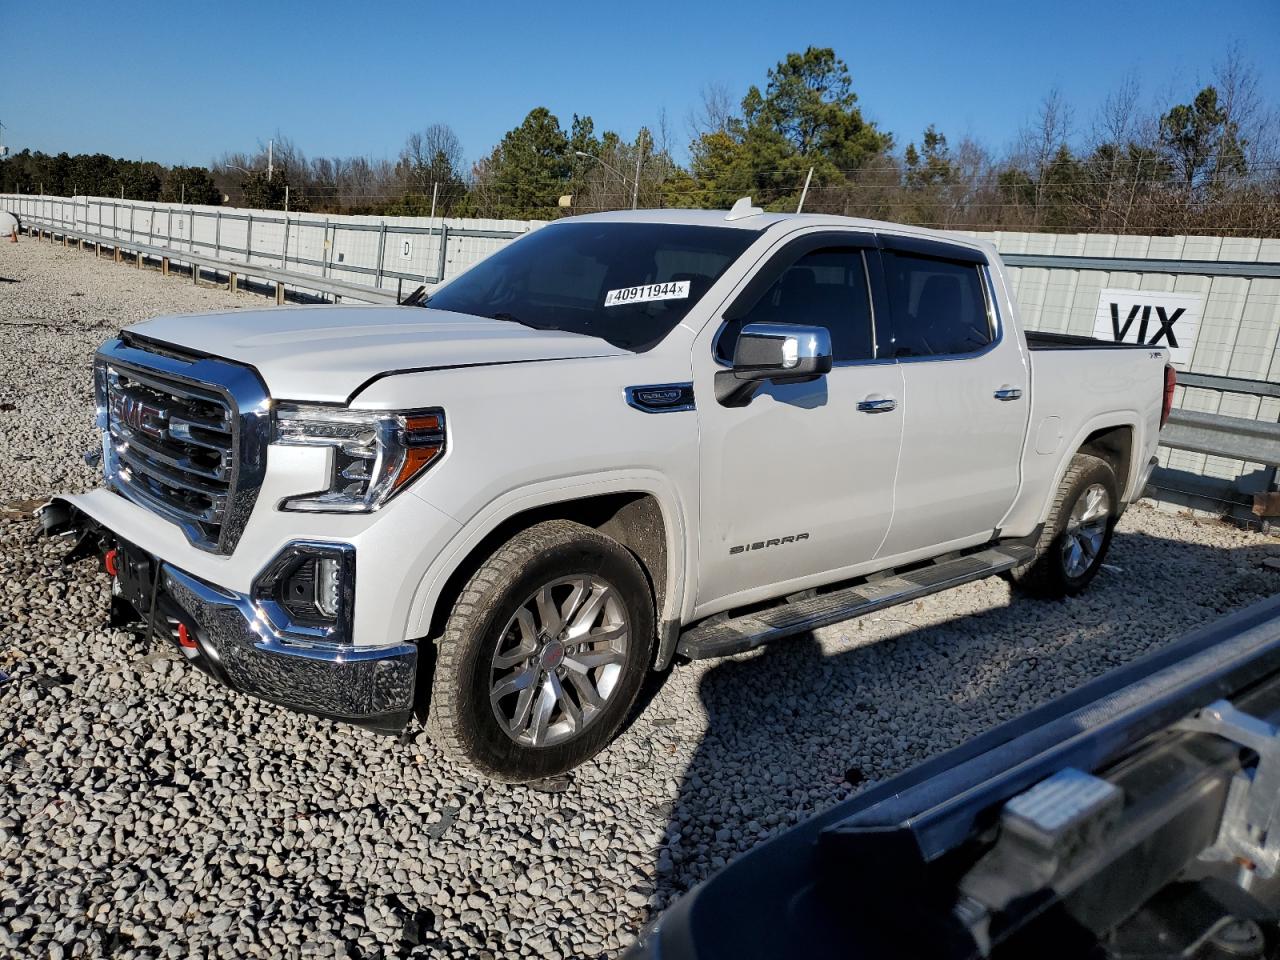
(776, 352)
(781, 351)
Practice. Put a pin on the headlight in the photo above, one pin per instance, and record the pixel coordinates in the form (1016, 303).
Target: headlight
(376, 453)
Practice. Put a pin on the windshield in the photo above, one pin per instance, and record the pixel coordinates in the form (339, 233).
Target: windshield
(627, 283)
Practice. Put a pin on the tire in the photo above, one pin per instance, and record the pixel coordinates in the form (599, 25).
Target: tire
(1070, 552)
(497, 637)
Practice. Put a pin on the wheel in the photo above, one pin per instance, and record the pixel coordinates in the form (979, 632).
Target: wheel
(544, 653)
(1077, 534)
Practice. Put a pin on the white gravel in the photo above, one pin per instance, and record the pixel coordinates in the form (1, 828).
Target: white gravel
(146, 812)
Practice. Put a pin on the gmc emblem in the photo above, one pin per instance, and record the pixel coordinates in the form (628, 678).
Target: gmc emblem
(138, 416)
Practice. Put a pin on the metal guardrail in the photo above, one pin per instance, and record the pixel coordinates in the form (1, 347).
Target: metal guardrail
(1217, 435)
(232, 268)
(1199, 268)
(1255, 441)
(369, 247)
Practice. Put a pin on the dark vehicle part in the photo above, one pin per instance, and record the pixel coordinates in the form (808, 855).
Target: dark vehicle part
(1134, 817)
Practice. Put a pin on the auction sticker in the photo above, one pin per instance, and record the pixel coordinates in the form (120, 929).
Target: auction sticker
(647, 292)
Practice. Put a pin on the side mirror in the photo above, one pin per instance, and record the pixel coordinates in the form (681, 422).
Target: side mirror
(777, 352)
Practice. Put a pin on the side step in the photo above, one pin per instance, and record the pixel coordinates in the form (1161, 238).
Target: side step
(723, 637)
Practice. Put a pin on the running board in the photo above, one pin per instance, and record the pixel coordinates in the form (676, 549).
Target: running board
(723, 637)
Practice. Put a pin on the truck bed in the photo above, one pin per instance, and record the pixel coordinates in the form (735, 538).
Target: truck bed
(1042, 340)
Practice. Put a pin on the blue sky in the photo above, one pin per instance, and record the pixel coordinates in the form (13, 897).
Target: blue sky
(181, 83)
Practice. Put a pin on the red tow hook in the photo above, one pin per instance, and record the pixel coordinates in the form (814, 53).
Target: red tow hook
(185, 639)
(109, 561)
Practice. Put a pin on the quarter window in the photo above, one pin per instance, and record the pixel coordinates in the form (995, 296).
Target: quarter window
(939, 307)
(825, 288)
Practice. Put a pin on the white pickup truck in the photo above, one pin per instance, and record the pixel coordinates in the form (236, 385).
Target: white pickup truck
(621, 440)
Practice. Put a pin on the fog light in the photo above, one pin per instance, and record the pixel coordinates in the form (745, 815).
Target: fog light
(308, 591)
(326, 598)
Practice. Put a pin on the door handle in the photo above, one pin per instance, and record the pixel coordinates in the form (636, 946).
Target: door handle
(877, 404)
(1009, 393)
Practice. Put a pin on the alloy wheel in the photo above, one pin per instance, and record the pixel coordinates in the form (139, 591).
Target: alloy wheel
(1086, 530)
(558, 660)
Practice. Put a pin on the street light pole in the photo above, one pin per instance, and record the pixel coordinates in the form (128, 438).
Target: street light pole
(621, 176)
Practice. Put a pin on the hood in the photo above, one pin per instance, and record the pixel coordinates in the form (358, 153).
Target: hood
(326, 353)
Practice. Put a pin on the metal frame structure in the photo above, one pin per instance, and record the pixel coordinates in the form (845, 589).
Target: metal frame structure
(71, 221)
(1198, 268)
(1250, 441)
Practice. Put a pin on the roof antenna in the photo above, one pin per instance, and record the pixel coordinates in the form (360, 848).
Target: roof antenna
(743, 209)
(805, 192)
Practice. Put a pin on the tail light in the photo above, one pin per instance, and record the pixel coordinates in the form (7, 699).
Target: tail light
(1170, 381)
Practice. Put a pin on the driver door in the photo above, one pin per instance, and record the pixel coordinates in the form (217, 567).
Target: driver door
(797, 486)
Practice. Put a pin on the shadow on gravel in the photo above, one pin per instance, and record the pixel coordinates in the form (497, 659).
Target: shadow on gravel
(793, 729)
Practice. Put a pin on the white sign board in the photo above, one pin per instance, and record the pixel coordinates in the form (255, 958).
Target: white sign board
(1170, 320)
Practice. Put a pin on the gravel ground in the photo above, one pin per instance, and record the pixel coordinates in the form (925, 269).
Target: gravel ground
(145, 812)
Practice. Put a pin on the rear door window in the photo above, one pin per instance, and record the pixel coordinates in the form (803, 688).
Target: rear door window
(939, 306)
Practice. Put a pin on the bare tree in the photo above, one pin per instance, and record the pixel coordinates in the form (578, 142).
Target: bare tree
(434, 146)
(1118, 125)
(714, 111)
(1244, 109)
(1043, 141)
(1120, 114)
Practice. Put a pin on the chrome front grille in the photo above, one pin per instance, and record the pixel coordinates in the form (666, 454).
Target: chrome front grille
(174, 445)
(184, 437)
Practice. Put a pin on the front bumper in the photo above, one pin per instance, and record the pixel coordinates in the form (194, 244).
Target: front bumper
(370, 686)
(233, 640)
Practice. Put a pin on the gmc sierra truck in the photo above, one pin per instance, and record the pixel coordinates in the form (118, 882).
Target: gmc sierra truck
(623, 439)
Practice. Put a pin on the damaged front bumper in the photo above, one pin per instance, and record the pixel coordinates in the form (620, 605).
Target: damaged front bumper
(239, 640)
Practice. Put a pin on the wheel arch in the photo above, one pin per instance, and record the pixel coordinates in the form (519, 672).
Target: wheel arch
(643, 514)
(1113, 439)
(1115, 446)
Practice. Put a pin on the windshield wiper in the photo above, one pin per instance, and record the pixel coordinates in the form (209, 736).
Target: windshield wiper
(418, 298)
(512, 318)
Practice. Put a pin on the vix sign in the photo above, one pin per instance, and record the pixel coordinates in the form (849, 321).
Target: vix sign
(1170, 320)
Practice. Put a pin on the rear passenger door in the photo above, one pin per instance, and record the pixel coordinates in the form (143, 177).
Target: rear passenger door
(965, 400)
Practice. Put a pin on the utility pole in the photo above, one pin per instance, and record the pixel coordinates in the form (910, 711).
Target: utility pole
(270, 150)
(805, 192)
(635, 187)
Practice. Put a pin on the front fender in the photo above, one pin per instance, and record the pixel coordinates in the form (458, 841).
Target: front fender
(681, 548)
